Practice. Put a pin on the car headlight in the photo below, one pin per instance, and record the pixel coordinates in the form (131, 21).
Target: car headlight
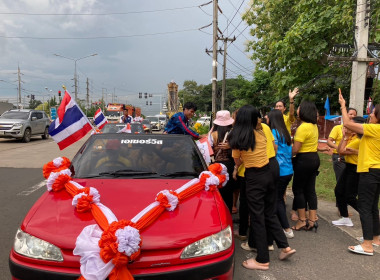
(209, 245)
(17, 125)
(33, 247)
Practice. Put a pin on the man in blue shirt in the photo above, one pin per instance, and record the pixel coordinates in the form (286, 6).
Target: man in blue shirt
(125, 118)
(179, 122)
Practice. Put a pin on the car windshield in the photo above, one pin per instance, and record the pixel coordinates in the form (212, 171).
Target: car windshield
(112, 127)
(152, 119)
(138, 156)
(15, 115)
(145, 122)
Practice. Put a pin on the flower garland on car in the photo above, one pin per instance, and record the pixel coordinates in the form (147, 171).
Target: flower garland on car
(107, 247)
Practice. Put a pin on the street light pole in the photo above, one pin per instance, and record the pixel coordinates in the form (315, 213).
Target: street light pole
(75, 70)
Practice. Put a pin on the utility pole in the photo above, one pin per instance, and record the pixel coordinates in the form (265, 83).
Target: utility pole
(359, 68)
(224, 70)
(19, 87)
(103, 98)
(88, 94)
(214, 56)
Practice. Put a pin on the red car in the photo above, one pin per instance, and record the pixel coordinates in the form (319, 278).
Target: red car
(194, 241)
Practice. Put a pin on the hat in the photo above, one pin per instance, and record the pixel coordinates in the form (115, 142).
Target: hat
(223, 118)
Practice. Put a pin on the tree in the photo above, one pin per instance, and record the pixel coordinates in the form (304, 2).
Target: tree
(34, 103)
(294, 37)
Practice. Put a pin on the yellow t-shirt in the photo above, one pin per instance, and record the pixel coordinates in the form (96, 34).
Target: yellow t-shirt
(307, 134)
(256, 158)
(336, 134)
(369, 148)
(288, 123)
(270, 139)
(353, 142)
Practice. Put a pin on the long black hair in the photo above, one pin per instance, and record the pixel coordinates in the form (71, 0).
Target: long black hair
(242, 136)
(221, 130)
(308, 112)
(276, 121)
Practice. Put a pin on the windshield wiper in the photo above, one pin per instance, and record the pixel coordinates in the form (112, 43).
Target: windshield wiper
(127, 172)
(181, 173)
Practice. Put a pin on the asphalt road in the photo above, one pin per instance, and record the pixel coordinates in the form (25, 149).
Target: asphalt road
(321, 255)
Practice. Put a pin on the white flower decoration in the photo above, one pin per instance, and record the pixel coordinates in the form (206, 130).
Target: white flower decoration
(94, 192)
(212, 180)
(128, 239)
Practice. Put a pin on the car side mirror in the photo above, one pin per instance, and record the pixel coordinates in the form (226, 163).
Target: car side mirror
(34, 118)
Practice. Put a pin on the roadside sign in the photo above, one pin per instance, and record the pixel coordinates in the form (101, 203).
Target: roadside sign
(53, 113)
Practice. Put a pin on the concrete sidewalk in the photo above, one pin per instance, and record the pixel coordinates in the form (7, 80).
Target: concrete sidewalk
(329, 212)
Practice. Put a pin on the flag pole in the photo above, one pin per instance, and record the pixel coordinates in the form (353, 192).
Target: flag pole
(88, 121)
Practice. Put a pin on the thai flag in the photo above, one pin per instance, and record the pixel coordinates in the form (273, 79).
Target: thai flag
(100, 119)
(70, 125)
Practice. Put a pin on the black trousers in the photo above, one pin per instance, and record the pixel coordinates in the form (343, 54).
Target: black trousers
(305, 166)
(228, 189)
(281, 184)
(261, 198)
(368, 199)
(338, 165)
(346, 189)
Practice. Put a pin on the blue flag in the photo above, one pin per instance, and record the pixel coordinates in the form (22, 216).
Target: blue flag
(327, 106)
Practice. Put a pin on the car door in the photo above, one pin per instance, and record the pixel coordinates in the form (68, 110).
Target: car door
(40, 122)
(34, 122)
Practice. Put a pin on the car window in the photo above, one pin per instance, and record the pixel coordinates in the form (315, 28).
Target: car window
(15, 115)
(34, 114)
(112, 127)
(159, 156)
(39, 115)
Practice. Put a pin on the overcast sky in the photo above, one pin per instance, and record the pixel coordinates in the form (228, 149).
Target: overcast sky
(141, 46)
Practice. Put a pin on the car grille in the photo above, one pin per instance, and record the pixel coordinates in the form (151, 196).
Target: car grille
(5, 126)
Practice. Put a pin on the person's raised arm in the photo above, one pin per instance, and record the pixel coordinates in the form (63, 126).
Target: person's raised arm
(355, 127)
(292, 95)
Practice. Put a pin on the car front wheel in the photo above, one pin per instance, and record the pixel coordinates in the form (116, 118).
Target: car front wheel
(26, 137)
(46, 133)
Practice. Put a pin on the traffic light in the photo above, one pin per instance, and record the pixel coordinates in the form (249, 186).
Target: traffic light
(140, 94)
(145, 95)
(59, 93)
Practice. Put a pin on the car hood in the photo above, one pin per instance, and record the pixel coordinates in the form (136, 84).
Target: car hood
(196, 217)
(11, 121)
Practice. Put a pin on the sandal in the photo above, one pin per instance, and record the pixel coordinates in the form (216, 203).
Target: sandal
(358, 249)
(304, 227)
(252, 264)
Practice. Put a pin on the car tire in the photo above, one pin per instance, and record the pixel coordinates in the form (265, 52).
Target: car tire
(46, 133)
(27, 135)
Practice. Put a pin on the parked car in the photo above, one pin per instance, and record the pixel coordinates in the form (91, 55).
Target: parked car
(163, 120)
(23, 124)
(194, 241)
(155, 122)
(204, 121)
(147, 124)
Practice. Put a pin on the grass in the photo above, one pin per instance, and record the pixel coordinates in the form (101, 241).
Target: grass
(326, 179)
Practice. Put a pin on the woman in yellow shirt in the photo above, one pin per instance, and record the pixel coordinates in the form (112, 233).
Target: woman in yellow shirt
(305, 165)
(249, 146)
(369, 177)
(333, 141)
(346, 189)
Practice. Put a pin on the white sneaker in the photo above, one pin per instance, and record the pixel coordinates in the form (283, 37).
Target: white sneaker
(289, 234)
(343, 222)
(270, 248)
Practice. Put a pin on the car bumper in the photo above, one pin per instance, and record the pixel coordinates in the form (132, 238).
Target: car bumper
(220, 268)
(11, 133)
